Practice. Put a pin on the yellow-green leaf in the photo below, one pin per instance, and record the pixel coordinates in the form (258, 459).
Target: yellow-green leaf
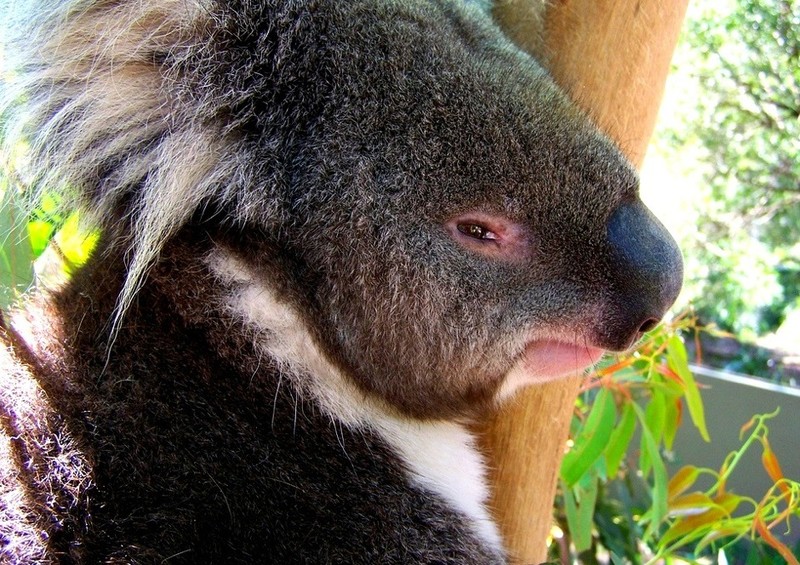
(721, 533)
(728, 501)
(678, 362)
(75, 242)
(16, 255)
(39, 234)
(656, 415)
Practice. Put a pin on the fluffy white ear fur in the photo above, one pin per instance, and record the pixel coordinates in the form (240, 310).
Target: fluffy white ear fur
(100, 99)
(440, 456)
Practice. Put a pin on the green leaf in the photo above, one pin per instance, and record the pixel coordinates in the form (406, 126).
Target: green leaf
(737, 530)
(655, 418)
(656, 415)
(672, 420)
(16, 258)
(677, 361)
(658, 508)
(591, 439)
(579, 504)
(619, 440)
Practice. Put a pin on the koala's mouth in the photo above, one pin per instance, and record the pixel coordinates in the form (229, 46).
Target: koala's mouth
(547, 359)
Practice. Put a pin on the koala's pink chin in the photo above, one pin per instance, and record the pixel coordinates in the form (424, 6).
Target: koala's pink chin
(546, 360)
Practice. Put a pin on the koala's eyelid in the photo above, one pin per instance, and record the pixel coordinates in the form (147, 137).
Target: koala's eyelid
(494, 237)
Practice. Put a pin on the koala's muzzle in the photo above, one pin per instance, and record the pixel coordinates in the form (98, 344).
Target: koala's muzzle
(646, 271)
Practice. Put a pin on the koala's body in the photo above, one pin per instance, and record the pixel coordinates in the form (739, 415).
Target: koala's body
(331, 234)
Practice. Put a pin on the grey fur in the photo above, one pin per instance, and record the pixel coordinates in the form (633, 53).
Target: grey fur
(324, 146)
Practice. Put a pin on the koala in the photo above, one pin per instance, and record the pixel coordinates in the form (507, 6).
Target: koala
(332, 235)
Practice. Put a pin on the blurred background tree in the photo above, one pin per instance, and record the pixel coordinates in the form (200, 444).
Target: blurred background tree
(735, 124)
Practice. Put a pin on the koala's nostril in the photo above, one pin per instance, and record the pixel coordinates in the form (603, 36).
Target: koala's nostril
(648, 325)
(646, 272)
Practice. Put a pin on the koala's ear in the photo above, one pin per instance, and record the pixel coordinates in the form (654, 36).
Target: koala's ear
(97, 98)
(107, 123)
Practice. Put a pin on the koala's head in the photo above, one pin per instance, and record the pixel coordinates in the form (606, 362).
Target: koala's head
(449, 214)
(437, 210)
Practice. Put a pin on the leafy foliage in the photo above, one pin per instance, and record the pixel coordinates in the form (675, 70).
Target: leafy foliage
(740, 63)
(629, 506)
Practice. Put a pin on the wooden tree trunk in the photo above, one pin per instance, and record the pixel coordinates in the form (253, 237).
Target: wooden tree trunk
(612, 57)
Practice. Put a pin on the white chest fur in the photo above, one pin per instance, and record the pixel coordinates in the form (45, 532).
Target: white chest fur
(440, 456)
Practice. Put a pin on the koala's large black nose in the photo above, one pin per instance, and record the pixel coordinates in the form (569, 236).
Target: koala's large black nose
(646, 270)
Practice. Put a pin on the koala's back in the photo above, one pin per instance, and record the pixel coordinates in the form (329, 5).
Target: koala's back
(185, 447)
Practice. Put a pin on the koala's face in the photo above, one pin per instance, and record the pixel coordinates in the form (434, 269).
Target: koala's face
(455, 218)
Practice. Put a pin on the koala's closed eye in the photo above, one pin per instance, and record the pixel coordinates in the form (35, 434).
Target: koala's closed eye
(494, 237)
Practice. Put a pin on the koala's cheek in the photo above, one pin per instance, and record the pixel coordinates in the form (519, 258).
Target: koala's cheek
(423, 352)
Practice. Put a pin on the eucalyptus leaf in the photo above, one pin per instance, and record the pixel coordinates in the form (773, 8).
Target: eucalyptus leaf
(658, 510)
(591, 440)
(620, 440)
(678, 362)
